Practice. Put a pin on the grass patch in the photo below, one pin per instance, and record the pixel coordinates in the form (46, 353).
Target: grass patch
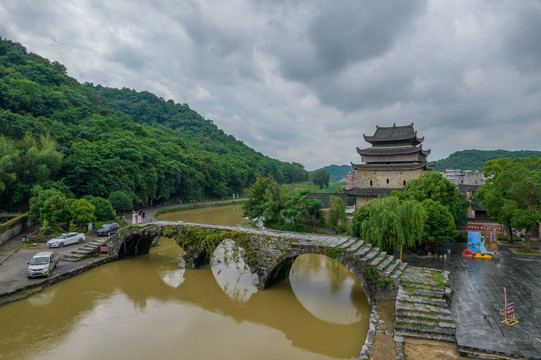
(191, 206)
(334, 188)
(438, 277)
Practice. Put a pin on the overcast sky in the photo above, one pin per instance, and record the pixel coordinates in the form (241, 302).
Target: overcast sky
(304, 80)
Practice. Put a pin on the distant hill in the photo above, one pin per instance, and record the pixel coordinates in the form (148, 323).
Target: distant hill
(476, 159)
(337, 172)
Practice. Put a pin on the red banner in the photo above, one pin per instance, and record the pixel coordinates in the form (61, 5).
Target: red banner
(482, 227)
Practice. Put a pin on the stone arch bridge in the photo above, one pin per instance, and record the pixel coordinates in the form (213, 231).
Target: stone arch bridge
(422, 295)
(269, 254)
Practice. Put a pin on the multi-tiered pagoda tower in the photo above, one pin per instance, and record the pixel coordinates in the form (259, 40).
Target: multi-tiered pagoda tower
(395, 157)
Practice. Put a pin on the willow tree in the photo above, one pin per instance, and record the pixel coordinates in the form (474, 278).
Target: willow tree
(393, 224)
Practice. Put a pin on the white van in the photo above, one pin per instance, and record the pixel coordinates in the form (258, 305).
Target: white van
(42, 264)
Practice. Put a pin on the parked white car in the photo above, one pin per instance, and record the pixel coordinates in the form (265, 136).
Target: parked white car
(42, 264)
(66, 239)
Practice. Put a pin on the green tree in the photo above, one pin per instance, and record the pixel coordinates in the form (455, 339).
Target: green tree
(297, 205)
(104, 209)
(37, 203)
(512, 193)
(255, 205)
(121, 201)
(8, 161)
(82, 212)
(432, 185)
(359, 216)
(393, 224)
(321, 178)
(56, 210)
(336, 217)
(439, 223)
(313, 207)
(273, 205)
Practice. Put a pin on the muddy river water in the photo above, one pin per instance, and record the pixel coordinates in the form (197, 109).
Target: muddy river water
(150, 307)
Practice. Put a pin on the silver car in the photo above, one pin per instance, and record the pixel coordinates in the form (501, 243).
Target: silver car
(66, 239)
(42, 264)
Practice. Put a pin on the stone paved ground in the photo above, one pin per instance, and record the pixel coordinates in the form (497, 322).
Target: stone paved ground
(478, 286)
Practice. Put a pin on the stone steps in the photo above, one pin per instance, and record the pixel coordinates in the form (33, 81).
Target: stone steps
(84, 251)
(364, 250)
(382, 265)
(401, 315)
(378, 259)
(404, 296)
(425, 328)
(349, 242)
(438, 337)
(421, 308)
(398, 270)
(428, 323)
(392, 266)
(353, 248)
(372, 254)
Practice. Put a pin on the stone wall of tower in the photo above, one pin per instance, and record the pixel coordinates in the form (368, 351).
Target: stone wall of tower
(385, 179)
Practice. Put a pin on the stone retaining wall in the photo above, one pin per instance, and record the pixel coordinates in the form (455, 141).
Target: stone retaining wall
(14, 228)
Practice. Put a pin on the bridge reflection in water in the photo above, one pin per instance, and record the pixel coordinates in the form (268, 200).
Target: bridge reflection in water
(150, 307)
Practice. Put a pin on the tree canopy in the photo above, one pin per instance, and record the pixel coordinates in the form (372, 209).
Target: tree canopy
(512, 192)
(276, 204)
(432, 185)
(320, 178)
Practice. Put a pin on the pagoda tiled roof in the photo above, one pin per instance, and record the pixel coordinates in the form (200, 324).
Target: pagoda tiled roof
(393, 150)
(397, 134)
(391, 166)
(357, 191)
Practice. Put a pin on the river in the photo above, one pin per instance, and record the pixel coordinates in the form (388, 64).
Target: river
(150, 307)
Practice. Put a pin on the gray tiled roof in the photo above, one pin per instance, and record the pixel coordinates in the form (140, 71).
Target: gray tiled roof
(394, 133)
(391, 167)
(393, 150)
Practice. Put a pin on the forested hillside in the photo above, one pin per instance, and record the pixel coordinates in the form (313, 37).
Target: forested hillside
(475, 159)
(337, 172)
(57, 133)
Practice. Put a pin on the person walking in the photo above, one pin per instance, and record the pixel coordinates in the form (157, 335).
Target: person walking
(133, 217)
(143, 213)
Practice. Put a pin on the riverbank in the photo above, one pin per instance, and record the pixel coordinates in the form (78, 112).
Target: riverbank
(64, 270)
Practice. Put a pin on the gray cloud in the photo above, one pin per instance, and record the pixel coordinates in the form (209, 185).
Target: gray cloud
(303, 80)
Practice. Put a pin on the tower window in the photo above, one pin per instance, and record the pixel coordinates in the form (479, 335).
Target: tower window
(370, 182)
(387, 181)
(404, 182)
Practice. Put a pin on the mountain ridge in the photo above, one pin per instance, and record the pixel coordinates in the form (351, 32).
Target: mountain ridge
(464, 160)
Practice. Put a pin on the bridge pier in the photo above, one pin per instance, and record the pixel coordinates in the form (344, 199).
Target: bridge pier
(277, 274)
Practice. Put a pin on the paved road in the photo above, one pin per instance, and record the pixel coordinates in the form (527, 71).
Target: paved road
(14, 258)
(478, 297)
